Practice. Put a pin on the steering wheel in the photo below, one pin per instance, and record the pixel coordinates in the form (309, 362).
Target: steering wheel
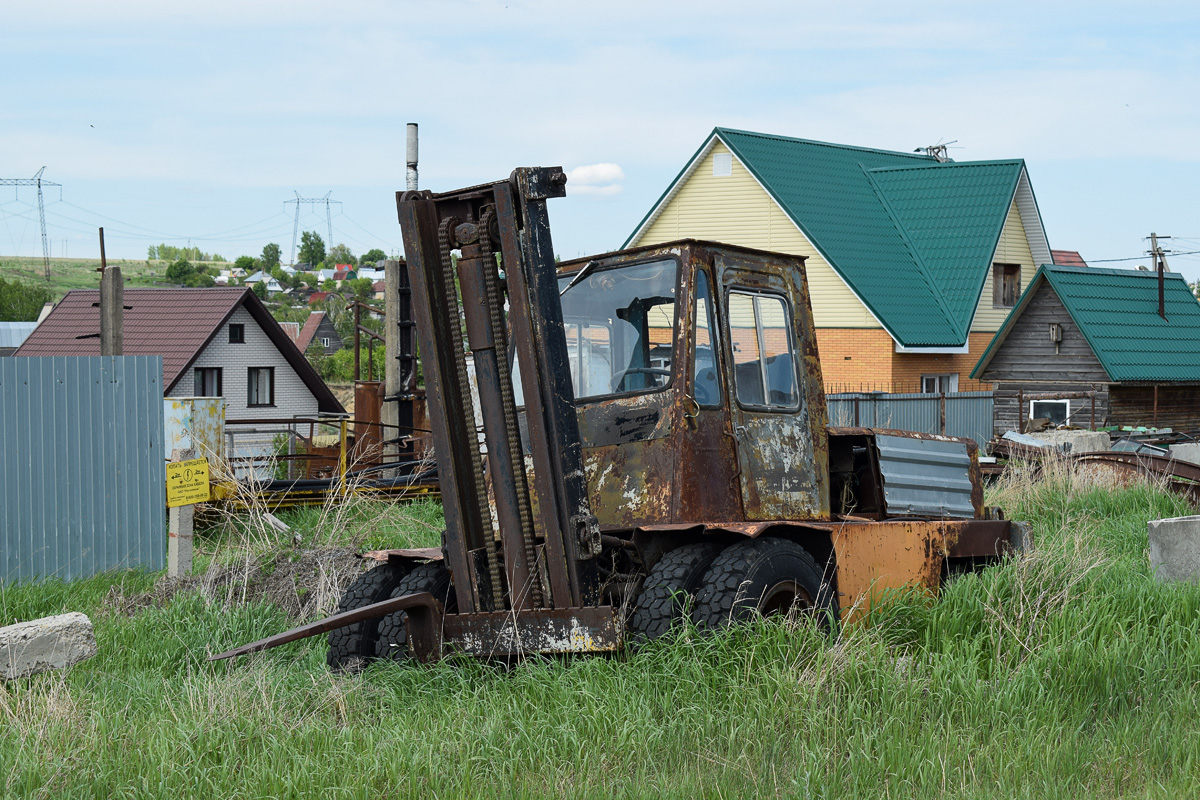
(620, 377)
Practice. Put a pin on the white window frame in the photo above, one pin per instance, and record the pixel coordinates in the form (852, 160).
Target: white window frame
(951, 379)
(1066, 404)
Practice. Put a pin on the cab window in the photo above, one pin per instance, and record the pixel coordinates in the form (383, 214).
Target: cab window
(764, 364)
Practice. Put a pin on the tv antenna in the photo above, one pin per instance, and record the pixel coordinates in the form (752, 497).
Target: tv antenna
(939, 152)
(328, 219)
(37, 181)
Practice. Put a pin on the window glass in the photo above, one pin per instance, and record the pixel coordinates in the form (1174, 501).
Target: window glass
(260, 386)
(1057, 411)
(207, 382)
(620, 328)
(706, 384)
(237, 333)
(764, 368)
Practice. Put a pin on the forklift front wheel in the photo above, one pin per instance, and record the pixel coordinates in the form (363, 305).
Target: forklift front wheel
(351, 646)
(668, 593)
(434, 578)
(767, 577)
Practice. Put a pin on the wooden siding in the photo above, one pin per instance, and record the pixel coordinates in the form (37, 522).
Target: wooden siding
(1178, 407)
(735, 209)
(1013, 248)
(1004, 406)
(1028, 354)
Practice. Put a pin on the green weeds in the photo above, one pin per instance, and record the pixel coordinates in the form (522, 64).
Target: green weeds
(1065, 672)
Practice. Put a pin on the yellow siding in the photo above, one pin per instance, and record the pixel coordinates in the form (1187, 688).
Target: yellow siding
(735, 210)
(1012, 249)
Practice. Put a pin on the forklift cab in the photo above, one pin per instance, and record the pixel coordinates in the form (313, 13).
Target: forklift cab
(697, 386)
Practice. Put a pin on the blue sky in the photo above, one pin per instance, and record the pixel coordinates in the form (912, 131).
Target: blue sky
(170, 122)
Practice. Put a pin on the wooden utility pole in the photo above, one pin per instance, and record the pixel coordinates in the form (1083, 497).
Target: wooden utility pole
(112, 307)
(1160, 266)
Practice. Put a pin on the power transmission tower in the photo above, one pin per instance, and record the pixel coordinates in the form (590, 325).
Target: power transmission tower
(328, 218)
(37, 181)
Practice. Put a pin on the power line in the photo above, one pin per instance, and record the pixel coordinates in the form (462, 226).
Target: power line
(1138, 258)
(37, 181)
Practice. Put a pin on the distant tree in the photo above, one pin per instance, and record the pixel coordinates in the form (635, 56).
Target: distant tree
(270, 256)
(328, 285)
(340, 254)
(202, 280)
(216, 257)
(245, 262)
(372, 257)
(363, 288)
(312, 247)
(22, 302)
(260, 289)
(180, 271)
(308, 278)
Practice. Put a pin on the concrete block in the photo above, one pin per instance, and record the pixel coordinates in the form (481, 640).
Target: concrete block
(1080, 441)
(39, 645)
(1186, 452)
(1175, 548)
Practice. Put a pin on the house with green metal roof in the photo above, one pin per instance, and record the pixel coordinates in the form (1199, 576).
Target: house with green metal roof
(1129, 338)
(913, 262)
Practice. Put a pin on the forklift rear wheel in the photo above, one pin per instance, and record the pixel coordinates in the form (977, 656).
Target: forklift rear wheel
(765, 577)
(352, 645)
(392, 642)
(669, 590)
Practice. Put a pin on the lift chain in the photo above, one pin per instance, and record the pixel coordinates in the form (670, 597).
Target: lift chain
(454, 312)
(491, 279)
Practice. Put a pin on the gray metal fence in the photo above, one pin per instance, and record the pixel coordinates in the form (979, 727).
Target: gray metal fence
(82, 475)
(966, 414)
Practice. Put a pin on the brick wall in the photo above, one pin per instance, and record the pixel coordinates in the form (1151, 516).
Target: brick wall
(857, 359)
(292, 397)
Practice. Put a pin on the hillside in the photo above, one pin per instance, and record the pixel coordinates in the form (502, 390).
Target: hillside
(82, 273)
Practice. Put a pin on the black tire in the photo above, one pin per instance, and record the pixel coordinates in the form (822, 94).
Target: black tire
(392, 642)
(669, 590)
(765, 576)
(351, 646)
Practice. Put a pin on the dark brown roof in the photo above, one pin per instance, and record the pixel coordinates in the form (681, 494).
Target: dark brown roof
(176, 324)
(309, 330)
(1067, 258)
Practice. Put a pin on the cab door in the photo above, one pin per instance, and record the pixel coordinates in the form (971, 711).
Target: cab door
(777, 465)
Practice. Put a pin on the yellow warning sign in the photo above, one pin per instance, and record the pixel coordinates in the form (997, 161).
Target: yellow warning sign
(187, 482)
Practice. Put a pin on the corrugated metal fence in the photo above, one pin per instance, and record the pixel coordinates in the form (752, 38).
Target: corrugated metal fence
(965, 413)
(82, 475)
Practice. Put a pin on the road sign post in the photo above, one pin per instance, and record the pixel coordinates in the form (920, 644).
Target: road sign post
(187, 484)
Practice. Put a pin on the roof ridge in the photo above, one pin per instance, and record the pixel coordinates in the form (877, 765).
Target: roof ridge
(835, 145)
(992, 162)
(913, 252)
(1112, 271)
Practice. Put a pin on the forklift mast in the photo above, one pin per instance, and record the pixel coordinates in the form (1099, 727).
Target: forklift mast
(482, 268)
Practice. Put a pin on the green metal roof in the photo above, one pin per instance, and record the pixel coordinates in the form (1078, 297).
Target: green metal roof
(912, 237)
(1117, 312)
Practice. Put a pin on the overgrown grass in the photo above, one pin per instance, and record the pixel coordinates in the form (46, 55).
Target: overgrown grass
(1067, 672)
(81, 273)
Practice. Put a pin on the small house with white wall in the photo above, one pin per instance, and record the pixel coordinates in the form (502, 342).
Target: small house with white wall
(216, 342)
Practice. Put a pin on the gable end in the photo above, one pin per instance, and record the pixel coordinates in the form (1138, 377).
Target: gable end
(1027, 353)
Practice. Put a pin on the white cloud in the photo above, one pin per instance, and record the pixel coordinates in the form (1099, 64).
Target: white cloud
(601, 191)
(598, 180)
(595, 174)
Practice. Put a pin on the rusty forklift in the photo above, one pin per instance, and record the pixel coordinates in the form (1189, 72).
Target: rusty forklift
(654, 444)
